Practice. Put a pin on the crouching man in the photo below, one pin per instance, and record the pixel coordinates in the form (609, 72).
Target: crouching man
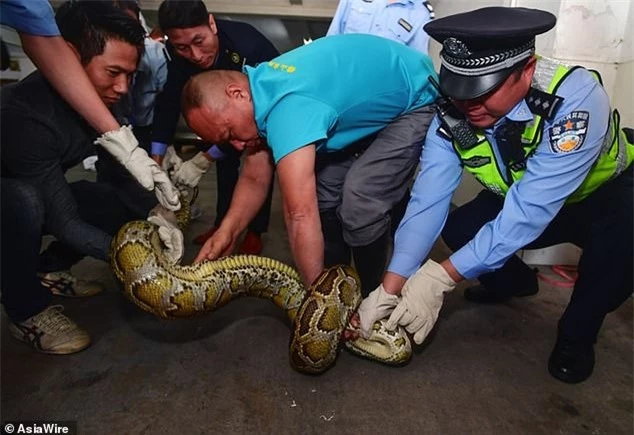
(42, 137)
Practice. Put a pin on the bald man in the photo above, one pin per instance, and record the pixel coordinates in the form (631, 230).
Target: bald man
(342, 121)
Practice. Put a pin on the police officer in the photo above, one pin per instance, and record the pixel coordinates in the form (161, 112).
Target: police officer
(197, 42)
(556, 166)
(399, 20)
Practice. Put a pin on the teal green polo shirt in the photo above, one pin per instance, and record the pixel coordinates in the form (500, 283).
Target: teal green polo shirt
(337, 90)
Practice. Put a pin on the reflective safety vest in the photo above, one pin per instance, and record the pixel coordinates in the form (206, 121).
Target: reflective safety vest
(617, 151)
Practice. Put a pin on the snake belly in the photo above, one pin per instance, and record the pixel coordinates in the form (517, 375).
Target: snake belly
(319, 314)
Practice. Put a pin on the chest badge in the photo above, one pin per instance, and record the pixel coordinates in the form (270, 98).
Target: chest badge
(235, 57)
(405, 25)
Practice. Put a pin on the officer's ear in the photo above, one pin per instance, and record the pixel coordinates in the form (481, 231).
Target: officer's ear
(212, 24)
(529, 70)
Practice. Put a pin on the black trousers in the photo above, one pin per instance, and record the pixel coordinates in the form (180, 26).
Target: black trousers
(22, 228)
(601, 225)
(227, 173)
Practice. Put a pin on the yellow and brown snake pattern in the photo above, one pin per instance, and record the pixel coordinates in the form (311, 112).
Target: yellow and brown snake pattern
(319, 314)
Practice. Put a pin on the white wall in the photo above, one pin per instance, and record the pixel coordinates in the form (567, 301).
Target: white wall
(25, 66)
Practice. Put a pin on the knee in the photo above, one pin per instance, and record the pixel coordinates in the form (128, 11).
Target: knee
(24, 202)
(362, 225)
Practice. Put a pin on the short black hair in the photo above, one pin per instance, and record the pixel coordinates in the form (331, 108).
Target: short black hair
(89, 24)
(128, 5)
(182, 14)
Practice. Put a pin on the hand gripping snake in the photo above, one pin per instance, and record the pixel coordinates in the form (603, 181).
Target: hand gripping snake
(319, 315)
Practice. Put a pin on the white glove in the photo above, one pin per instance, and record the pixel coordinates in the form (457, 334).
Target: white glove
(422, 298)
(124, 147)
(170, 234)
(190, 172)
(171, 160)
(376, 306)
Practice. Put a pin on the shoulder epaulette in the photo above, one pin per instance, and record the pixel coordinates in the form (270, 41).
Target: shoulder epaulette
(542, 103)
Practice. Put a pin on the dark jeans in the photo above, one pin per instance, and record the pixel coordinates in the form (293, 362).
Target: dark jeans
(227, 173)
(22, 224)
(21, 237)
(601, 225)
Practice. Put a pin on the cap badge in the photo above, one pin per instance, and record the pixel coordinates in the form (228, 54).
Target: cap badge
(456, 48)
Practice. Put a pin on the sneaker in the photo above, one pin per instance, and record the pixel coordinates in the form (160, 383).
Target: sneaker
(63, 283)
(51, 332)
(252, 244)
(202, 238)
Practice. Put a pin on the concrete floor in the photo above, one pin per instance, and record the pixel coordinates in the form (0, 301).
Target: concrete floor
(483, 370)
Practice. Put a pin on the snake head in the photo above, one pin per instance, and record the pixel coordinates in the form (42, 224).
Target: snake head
(383, 345)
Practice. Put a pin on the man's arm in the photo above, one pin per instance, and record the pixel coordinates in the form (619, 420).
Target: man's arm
(248, 197)
(420, 40)
(338, 20)
(251, 190)
(62, 69)
(42, 43)
(296, 173)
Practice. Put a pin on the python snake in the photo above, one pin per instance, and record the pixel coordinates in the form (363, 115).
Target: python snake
(319, 315)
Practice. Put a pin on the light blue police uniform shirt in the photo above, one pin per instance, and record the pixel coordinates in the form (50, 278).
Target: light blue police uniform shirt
(149, 80)
(399, 20)
(337, 90)
(34, 17)
(531, 203)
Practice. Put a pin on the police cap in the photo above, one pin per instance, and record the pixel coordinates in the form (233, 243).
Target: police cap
(481, 48)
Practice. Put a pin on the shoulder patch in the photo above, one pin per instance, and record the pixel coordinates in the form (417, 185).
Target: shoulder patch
(569, 133)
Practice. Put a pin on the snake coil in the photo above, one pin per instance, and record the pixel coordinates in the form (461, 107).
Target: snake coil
(319, 314)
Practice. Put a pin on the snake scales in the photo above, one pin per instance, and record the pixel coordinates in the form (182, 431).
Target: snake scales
(319, 315)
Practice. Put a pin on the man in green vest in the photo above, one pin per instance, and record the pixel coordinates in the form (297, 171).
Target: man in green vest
(541, 138)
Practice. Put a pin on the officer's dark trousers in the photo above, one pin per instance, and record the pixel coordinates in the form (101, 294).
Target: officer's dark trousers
(227, 173)
(23, 225)
(601, 225)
